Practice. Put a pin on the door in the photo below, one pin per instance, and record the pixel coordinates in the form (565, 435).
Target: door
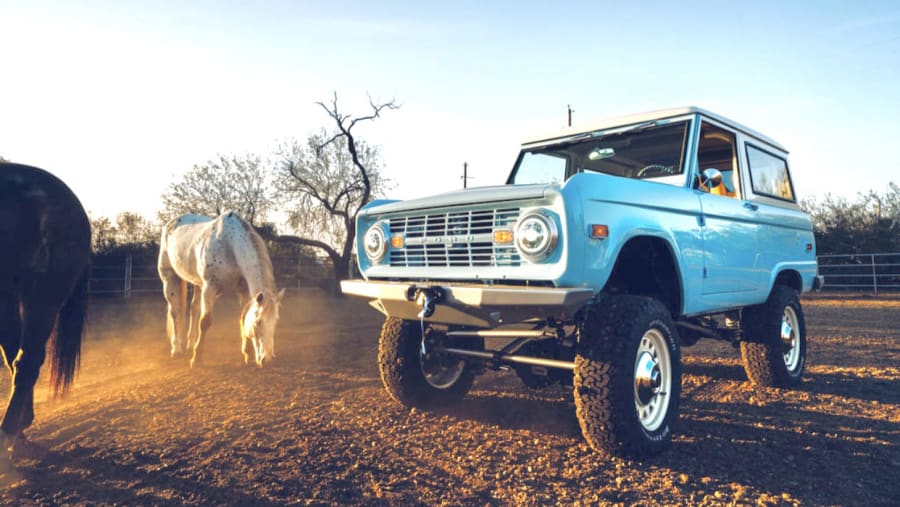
(729, 223)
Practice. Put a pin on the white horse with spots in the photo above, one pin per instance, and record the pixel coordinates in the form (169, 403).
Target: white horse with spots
(217, 255)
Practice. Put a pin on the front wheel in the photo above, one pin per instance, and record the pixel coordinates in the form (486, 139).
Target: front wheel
(415, 379)
(773, 349)
(627, 376)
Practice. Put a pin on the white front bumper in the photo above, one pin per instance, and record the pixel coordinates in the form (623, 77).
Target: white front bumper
(472, 305)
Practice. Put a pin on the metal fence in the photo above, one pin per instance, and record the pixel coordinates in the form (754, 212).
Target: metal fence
(876, 272)
(134, 274)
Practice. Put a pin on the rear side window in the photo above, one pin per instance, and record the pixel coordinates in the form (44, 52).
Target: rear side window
(769, 174)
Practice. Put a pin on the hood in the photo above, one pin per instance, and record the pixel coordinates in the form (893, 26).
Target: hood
(475, 195)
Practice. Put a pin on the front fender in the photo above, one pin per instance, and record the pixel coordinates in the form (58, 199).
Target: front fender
(632, 209)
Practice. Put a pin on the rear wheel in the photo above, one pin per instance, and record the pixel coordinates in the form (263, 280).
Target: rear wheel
(627, 376)
(773, 349)
(416, 379)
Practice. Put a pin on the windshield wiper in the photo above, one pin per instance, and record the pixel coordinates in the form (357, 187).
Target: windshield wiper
(638, 127)
(602, 134)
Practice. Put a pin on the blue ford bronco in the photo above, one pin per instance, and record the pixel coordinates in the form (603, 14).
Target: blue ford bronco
(608, 249)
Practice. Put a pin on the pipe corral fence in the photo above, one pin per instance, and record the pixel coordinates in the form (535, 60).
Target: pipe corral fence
(136, 274)
(133, 274)
(875, 272)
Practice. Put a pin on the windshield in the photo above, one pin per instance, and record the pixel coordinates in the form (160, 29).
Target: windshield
(644, 151)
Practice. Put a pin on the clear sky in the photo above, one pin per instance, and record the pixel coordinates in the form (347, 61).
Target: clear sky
(120, 97)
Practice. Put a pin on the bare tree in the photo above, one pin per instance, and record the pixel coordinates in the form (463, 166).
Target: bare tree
(328, 180)
(230, 183)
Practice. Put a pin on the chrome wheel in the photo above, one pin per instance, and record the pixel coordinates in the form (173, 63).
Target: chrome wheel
(652, 380)
(789, 339)
(440, 370)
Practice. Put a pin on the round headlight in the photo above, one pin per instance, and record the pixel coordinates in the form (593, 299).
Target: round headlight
(536, 237)
(375, 243)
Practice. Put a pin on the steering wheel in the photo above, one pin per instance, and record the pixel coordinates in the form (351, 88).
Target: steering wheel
(653, 168)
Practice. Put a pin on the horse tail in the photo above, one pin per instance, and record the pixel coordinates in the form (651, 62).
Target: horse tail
(65, 351)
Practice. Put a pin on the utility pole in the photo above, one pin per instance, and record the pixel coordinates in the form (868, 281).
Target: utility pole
(569, 107)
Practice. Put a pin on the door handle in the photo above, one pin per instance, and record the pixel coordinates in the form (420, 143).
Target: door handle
(750, 206)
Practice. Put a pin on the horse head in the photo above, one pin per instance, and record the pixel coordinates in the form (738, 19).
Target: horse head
(258, 325)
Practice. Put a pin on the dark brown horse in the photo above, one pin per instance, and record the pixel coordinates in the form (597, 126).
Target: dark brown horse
(45, 248)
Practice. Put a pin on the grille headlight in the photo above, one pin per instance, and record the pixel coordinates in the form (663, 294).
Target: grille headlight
(536, 237)
(375, 243)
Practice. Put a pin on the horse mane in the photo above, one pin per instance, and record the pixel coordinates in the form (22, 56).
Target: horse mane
(263, 261)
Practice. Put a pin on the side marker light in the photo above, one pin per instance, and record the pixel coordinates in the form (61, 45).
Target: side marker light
(599, 231)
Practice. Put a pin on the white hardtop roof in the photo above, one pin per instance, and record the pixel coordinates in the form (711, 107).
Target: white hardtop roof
(632, 119)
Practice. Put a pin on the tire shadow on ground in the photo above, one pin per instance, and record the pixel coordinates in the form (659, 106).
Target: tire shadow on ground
(715, 370)
(548, 416)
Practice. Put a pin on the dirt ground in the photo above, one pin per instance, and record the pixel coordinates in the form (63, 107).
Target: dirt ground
(140, 428)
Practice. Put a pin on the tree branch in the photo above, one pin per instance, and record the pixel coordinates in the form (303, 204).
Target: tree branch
(296, 240)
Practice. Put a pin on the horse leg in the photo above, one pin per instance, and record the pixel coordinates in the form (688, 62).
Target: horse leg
(247, 349)
(194, 320)
(246, 344)
(10, 336)
(174, 289)
(208, 297)
(38, 319)
(10, 331)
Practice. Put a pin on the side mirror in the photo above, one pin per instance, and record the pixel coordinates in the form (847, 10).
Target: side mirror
(710, 178)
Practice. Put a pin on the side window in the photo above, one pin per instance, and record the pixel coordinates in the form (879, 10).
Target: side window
(717, 151)
(769, 174)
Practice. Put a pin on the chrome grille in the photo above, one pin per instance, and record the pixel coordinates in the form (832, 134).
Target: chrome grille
(454, 239)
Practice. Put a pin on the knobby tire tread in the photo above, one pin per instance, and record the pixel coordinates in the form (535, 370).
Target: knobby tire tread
(604, 376)
(761, 352)
(401, 373)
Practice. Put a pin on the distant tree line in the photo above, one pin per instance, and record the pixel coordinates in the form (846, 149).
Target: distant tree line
(870, 223)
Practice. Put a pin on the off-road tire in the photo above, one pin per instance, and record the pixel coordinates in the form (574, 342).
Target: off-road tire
(401, 370)
(762, 349)
(610, 338)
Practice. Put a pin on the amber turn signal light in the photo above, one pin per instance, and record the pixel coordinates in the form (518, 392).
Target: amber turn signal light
(397, 241)
(599, 231)
(503, 236)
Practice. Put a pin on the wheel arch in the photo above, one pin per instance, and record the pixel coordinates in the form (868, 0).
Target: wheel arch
(630, 273)
(790, 278)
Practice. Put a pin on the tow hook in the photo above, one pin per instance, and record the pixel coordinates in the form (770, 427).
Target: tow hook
(426, 298)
